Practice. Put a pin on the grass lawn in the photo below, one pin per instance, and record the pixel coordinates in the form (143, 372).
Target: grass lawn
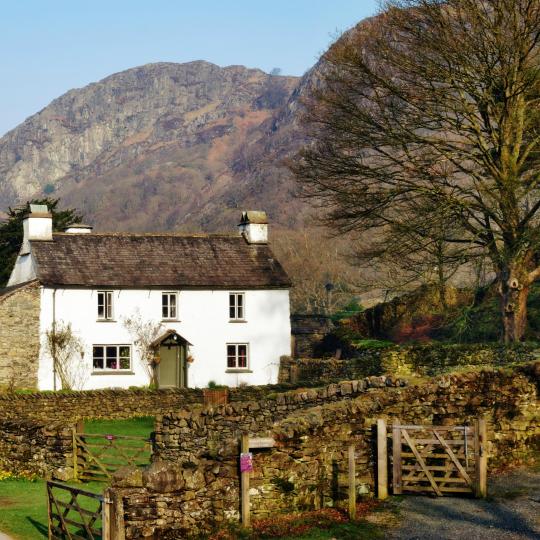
(138, 427)
(23, 503)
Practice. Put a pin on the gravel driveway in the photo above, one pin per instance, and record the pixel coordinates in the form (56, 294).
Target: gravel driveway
(512, 511)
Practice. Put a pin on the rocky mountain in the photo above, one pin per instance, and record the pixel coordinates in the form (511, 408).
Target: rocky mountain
(162, 147)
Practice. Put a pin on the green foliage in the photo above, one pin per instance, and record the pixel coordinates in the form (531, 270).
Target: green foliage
(11, 231)
(365, 344)
(350, 310)
(350, 341)
(212, 385)
(283, 484)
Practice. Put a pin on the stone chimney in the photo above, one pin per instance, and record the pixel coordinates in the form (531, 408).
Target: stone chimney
(37, 226)
(253, 227)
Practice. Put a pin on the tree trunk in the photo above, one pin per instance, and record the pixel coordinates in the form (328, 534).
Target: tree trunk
(514, 293)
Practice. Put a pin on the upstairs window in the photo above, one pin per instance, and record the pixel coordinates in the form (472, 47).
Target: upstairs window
(105, 305)
(237, 356)
(169, 303)
(236, 306)
(112, 357)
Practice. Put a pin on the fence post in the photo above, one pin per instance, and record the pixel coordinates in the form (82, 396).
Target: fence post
(382, 460)
(352, 484)
(106, 517)
(116, 525)
(49, 516)
(75, 455)
(480, 450)
(396, 458)
(244, 481)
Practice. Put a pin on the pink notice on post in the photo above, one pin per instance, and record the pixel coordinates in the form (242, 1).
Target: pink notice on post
(246, 462)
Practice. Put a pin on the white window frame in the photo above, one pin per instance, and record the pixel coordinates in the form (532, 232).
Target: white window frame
(108, 305)
(117, 369)
(169, 295)
(237, 312)
(236, 367)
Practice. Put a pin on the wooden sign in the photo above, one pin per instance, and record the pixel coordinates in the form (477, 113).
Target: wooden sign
(262, 442)
(246, 462)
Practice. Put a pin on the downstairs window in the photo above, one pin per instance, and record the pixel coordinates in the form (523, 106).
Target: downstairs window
(112, 357)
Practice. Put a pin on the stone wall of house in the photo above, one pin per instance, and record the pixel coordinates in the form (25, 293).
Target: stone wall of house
(308, 331)
(19, 337)
(194, 486)
(69, 407)
(423, 360)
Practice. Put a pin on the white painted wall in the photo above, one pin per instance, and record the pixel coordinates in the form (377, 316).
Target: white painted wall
(203, 321)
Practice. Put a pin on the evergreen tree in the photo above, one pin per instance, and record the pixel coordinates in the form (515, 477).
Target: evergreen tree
(11, 231)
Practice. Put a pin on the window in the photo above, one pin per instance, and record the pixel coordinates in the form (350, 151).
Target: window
(236, 306)
(169, 301)
(105, 305)
(112, 357)
(237, 356)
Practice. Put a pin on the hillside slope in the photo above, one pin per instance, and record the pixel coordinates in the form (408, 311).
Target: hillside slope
(160, 147)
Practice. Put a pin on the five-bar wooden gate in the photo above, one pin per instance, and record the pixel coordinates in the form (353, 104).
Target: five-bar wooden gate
(97, 456)
(439, 459)
(75, 514)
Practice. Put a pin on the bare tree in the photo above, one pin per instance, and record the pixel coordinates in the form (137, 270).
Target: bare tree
(431, 110)
(144, 333)
(323, 280)
(411, 256)
(67, 352)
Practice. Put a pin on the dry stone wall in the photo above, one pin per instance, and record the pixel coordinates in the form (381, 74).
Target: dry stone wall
(32, 448)
(423, 360)
(19, 337)
(194, 486)
(197, 432)
(69, 407)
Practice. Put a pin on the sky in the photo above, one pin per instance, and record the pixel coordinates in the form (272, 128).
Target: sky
(52, 46)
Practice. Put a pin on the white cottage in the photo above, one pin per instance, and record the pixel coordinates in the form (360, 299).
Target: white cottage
(195, 308)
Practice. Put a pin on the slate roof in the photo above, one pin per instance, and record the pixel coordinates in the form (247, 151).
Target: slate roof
(156, 260)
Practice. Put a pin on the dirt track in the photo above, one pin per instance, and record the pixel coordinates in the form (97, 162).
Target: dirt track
(512, 511)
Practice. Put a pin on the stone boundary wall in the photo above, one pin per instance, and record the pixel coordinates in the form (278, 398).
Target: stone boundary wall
(423, 360)
(69, 407)
(186, 493)
(31, 448)
(197, 432)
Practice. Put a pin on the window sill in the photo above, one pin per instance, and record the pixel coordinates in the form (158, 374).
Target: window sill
(106, 320)
(237, 321)
(240, 370)
(113, 372)
(170, 320)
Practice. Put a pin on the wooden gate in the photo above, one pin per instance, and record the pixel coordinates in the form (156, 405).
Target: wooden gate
(439, 459)
(98, 456)
(75, 514)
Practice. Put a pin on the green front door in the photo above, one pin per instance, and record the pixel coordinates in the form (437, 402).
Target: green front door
(172, 366)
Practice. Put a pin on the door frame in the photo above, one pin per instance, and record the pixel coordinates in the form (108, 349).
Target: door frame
(171, 339)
